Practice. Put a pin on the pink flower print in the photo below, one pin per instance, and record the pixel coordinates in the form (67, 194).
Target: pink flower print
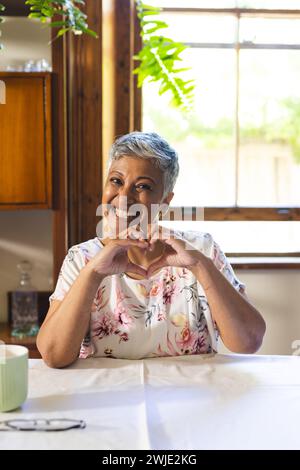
(108, 352)
(187, 340)
(218, 257)
(183, 273)
(171, 350)
(169, 292)
(156, 289)
(105, 326)
(161, 316)
(169, 278)
(123, 337)
(86, 255)
(122, 317)
(202, 345)
(99, 302)
(121, 296)
(142, 290)
(86, 351)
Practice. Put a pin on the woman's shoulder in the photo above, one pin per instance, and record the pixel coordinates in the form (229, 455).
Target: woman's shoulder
(87, 249)
(202, 241)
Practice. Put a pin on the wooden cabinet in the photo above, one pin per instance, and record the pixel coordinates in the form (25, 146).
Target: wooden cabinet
(25, 141)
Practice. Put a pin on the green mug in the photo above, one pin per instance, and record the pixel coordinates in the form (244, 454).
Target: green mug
(13, 376)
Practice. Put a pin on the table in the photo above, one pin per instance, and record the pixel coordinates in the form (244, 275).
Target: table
(189, 402)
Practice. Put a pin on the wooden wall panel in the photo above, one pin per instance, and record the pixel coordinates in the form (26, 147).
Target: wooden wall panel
(85, 127)
(25, 136)
(60, 179)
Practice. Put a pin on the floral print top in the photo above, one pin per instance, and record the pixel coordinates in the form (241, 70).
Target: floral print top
(165, 315)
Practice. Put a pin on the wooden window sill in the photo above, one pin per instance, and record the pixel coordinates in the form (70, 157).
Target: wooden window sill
(264, 262)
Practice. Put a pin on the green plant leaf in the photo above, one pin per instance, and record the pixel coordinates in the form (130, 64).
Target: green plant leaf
(62, 31)
(158, 58)
(72, 18)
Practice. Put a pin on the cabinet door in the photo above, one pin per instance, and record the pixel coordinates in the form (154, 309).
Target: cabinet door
(25, 142)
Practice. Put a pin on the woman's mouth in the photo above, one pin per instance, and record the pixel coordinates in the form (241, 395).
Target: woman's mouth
(124, 214)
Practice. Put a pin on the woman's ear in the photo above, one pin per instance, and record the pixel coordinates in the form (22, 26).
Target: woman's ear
(168, 198)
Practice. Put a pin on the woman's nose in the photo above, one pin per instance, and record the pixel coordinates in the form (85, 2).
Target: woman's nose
(128, 194)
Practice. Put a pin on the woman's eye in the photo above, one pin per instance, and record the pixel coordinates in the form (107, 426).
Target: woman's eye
(116, 181)
(144, 186)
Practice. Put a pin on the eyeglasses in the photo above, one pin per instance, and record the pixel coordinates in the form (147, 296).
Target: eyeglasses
(41, 424)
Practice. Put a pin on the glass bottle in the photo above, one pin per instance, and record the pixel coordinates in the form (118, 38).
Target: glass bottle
(24, 304)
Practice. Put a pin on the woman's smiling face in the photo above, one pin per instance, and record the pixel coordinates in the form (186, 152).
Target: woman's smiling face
(132, 180)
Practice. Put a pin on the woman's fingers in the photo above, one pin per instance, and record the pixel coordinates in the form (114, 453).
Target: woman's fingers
(122, 245)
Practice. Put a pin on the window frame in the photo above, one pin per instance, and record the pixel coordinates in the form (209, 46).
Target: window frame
(236, 212)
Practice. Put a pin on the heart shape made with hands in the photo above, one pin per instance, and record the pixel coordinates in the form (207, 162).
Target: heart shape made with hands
(152, 265)
(174, 252)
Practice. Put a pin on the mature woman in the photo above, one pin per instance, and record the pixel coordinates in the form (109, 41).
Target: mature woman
(127, 296)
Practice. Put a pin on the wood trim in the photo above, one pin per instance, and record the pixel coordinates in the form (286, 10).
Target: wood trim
(265, 255)
(124, 83)
(252, 213)
(108, 80)
(48, 139)
(243, 213)
(122, 100)
(59, 147)
(138, 104)
(85, 127)
(266, 266)
(234, 11)
(23, 206)
(25, 74)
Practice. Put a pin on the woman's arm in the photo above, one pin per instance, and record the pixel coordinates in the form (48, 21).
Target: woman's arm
(241, 326)
(67, 322)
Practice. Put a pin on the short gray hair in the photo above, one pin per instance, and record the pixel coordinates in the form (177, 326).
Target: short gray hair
(148, 145)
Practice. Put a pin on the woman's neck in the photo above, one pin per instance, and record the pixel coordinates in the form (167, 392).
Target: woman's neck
(146, 257)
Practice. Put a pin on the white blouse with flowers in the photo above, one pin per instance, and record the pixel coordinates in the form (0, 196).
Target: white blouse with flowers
(165, 315)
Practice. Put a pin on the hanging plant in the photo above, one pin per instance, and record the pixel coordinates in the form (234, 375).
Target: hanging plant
(72, 18)
(159, 58)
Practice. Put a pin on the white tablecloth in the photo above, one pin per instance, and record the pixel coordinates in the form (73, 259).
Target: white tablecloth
(190, 402)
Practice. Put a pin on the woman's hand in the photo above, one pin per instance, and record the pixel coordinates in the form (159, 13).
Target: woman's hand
(177, 252)
(113, 259)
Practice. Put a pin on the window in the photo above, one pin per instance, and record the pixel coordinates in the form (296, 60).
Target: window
(240, 148)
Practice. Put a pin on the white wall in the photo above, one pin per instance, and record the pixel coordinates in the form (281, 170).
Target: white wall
(23, 39)
(275, 293)
(24, 235)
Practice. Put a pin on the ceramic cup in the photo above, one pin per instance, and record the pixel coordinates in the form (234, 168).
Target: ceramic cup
(13, 376)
